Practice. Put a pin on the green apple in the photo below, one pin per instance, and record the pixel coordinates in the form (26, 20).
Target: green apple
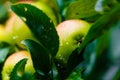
(3, 35)
(12, 60)
(17, 30)
(71, 33)
(47, 10)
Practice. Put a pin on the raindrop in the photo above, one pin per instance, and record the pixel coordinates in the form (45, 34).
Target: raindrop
(67, 43)
(61, 58)
(58, 65)
(15, 37)
(24, 19)
(25, 9)
(42, 27)
(50, 21)
(74, 73)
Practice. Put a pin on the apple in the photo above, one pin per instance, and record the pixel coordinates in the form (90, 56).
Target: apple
(3, 35)
(17, 30)
(71, 33)
(13, 59)
(47, 10)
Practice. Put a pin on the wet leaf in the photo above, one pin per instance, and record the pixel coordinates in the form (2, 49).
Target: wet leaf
(40, 56)
(40, 25)
(18, 70)
(4, 51)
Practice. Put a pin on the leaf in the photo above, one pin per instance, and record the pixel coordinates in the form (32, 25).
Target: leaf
(40, 56)
(114, 47)
(3, 12)
(103, 5)
(88, 47)
(40, 25)
(118, 1)
(101, 25)
(4, 50)
(76, 73)
(74, 60)
(114, 52)
(28, 76)
(54, 72)
(82, 9)
(107, 61)
(89, 52)
(18, 70)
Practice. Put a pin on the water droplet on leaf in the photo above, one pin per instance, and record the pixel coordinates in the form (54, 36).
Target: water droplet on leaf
(24, 19)
(25, 9)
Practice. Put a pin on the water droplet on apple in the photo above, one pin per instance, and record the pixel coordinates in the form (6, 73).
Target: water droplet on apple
(25, 9)
(22, 42)
(15, 37)
(67, 43)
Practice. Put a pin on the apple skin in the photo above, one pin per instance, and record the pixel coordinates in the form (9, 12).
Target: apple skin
(2, 33)
(3, 36)
(47, 10)
(71, 33)
(12, 60)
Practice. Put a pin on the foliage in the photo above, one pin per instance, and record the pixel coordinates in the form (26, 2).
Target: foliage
(97, 58)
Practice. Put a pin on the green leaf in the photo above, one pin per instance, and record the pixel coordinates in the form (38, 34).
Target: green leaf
(103, 24)
(115, 43)
(118, 1)
(40, 56)
(82, 9)
(107, 61)
(4, 50)
(18, 70)
(103, 6)
(28, 76)
(76, 73)
(40, 25)
(114, 52)
(76, 58)
(3, 13)
(87, 50)
(54, 72)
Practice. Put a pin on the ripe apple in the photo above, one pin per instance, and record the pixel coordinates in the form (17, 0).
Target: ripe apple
(12, 60)
(71, 33)
(47, 10)
(17, 30)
